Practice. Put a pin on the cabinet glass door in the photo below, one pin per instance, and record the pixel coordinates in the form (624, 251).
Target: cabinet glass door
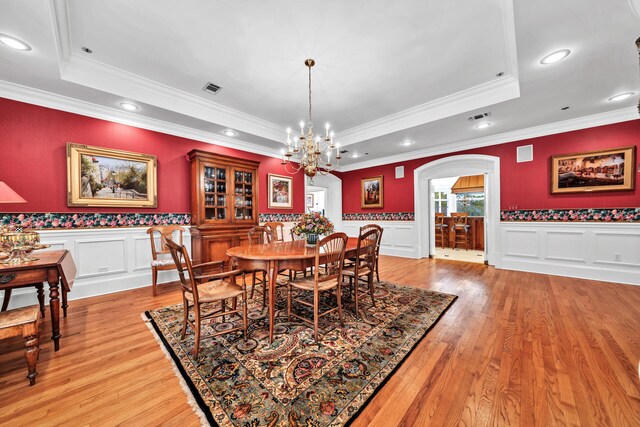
(215, 193)
(243, 194)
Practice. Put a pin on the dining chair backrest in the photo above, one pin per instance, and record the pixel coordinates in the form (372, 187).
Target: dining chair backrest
(277, 231)
(439, 219)
(367, 245)
(330, 254)
(366, 228)
(163, 233)
(259, 235)
(295, 236)
(460, 218)
(185, 268)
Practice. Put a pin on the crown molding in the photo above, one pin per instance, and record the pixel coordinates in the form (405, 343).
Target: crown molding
(480, 96)
(595, 120)
(88, 72)
(71, 105)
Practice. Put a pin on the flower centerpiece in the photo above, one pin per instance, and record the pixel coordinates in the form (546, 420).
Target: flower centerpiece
(311, 225)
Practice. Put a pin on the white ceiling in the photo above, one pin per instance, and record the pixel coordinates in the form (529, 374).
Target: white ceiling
(383, 74)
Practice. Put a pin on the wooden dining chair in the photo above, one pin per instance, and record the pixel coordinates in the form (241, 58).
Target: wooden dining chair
(160, 257)
(200, 288)
(441, 229)
(462, 229)
(363, 267)
(329, 253)
(277, 231)
(259, 235)
(363, 230)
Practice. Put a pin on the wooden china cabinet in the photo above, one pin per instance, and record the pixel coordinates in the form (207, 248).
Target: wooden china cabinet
(224, 203)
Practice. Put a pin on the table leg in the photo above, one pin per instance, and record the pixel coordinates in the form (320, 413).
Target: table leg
(64, 302)
(54, 303)
(273, 275)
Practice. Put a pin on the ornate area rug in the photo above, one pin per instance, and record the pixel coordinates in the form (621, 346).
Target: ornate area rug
(295, 381)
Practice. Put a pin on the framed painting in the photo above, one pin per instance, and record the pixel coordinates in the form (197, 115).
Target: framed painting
(604, 170)
(104, 177)
(309, 200)
(280, 192)
(372, 192)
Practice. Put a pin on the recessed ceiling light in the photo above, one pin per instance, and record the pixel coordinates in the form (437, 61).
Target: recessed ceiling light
(621, 97)
(355, 155)
(554, 57)
(129, 106)
(483, 125)
(230, 132)
(14, 42)
(86, 49)
(407, 142)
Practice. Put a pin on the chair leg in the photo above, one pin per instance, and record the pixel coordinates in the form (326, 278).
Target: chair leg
(32, 344)
(264, 290)
(244, 313)
(316, 304)
(7, 297)
(339, 294)
(371, 289)
(154, 281)
(377, 274)
(224, 306)
(196, 341)
(185, 316)
(289, 302)
(356, 283)
(253, 283)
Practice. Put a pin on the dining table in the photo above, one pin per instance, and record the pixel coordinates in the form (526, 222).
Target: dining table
(278, 256)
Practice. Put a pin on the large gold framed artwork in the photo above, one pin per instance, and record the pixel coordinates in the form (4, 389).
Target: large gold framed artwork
(603, 170)
(104, 177)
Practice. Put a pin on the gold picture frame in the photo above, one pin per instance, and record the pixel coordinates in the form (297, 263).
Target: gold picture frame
(105, 177)
(602, 170)
(280, 192)
(372, 192)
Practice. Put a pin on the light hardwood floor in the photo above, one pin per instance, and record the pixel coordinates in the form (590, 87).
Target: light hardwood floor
(514, 349)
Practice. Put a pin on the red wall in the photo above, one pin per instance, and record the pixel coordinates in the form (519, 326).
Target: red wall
(522, 185)
(33, 163)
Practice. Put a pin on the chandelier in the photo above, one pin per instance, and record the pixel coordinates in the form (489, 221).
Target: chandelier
(311, 153)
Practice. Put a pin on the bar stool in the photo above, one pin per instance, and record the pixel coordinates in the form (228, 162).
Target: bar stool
(462, 229)
(442, 230)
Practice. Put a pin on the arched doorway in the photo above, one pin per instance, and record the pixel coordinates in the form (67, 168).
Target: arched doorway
(467, 164)
(333, 196)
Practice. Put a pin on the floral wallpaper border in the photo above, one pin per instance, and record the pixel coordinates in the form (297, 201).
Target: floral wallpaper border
(572, 215)
(52, 221)
(279, 217)
(380, 216)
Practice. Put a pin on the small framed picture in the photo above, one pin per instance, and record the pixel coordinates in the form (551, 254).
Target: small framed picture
(105, 177)
(605, 170)
(372, 192)
(309, 200)
(280, 192)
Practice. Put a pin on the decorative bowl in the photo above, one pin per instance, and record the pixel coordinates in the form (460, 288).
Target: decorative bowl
(19, 245)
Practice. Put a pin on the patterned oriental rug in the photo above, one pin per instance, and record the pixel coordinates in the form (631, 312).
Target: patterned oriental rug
(295, 381)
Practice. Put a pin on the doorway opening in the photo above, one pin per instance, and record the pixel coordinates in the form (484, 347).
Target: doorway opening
(458, 206)
(452, 166)
(325, 195)
(316, 200)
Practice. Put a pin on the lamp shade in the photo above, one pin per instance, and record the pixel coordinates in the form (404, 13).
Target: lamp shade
(7, 195)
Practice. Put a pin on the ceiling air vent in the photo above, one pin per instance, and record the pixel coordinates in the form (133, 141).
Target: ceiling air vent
(479, 116)
(212, 88)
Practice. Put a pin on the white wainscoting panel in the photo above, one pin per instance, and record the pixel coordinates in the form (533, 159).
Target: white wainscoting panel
(599, 251)
(108, 260)
(399, 238)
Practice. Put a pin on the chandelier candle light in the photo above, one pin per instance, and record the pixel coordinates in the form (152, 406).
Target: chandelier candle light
(312, 154)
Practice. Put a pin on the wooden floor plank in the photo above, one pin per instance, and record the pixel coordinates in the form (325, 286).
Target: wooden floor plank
(516, 348)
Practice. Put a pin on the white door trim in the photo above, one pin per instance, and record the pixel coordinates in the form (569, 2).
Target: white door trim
(466, 164)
